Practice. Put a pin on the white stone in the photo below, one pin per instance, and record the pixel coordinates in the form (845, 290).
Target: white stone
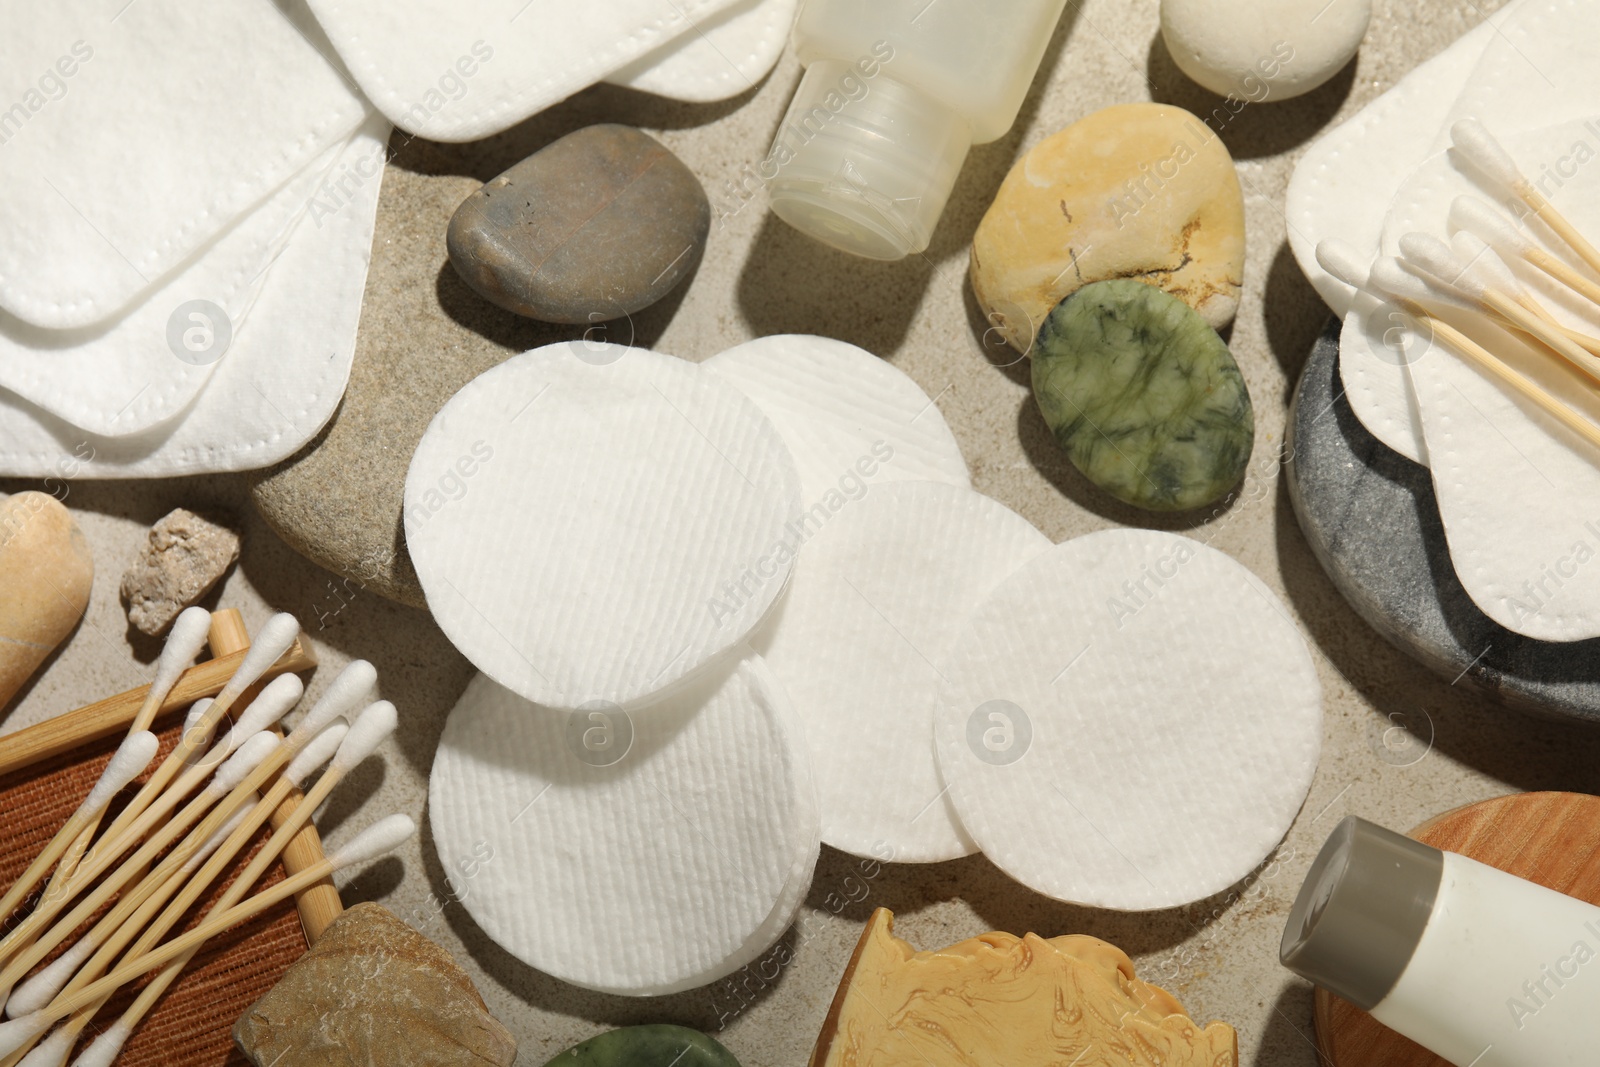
(1263, 51)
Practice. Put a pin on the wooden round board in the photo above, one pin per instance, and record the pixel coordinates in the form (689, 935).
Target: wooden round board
(1549, 838)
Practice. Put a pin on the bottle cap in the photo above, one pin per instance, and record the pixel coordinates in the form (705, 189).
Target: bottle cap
(1361, 912)
(865, 164)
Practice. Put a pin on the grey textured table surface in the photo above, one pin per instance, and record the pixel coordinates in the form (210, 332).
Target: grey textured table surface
(1400, 744)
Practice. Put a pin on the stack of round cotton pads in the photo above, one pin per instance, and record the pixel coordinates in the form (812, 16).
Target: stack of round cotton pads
(636, 854)
(593, 522)
(849, 417)
(859, 641)
(1131, 721)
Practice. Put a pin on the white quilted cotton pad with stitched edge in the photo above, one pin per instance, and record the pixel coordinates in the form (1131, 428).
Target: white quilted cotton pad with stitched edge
(723, 56)
(637, 854)
(1131, 721)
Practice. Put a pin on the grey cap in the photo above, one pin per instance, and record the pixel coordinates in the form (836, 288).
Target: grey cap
(1358, 918)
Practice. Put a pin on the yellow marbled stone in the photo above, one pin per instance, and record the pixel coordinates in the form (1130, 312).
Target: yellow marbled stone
(1141, 191)
(1012, 1001)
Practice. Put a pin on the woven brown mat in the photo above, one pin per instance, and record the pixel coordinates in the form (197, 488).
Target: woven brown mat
(192, 1023)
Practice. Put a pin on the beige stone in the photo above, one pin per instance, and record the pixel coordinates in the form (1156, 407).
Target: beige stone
(46, 572)
(1142, 191)
(183, 558)
(372, 990)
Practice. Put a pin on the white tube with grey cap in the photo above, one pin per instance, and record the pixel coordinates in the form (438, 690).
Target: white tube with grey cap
(1476, 965)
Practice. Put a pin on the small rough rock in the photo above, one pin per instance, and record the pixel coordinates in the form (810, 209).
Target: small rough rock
(1144, 397)
(659, 1045)
(372, 990)
(593, 227)
(1141, 191)
(183, 558)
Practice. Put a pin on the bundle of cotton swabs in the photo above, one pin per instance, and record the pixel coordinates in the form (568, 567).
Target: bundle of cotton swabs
(1469, 273)
(181, 831)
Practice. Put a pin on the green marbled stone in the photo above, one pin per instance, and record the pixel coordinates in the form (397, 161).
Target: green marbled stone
(659, 1045)
(1144, 396)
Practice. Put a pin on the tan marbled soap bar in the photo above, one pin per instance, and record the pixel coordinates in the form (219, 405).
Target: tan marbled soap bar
(46, 571)
(1000, 999)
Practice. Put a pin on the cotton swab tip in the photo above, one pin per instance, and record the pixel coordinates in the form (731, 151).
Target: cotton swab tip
(37, 992)
(377, 722)
(269, 646)
(1434, 257)
(18, 1032)
(131, 757)
(246, 759)
(318, 750)
(343, 695)
(1480, 217)
(279, 695)
(1473, 139)
(52, 1051)
(1484, 263)
(385, 835)
(1340, 259)
(103, 1051)
(1392, 279)
(184, 642)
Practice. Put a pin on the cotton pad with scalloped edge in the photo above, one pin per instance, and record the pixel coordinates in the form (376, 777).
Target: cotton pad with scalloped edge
(858, 643)
(848, 416)
(593, 522)
(1131, 721)
(633, 853)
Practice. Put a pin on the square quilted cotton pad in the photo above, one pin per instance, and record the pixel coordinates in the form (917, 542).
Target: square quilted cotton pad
(638, 854)
(594, 522)
(1131, 721)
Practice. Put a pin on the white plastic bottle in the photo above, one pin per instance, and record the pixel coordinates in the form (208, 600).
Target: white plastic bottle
(895, 93)
(1476, 965)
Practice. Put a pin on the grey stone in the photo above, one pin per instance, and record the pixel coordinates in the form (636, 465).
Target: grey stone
(373, 990)
(1373, 522)
(184, 557)
(595, 226)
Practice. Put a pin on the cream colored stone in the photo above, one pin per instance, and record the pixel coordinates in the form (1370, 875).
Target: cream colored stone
(1141, 191)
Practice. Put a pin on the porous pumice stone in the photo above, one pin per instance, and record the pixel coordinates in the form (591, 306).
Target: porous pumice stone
(1142, 191)
(1260, 52)
(594, 522)
(1131, 721)
(592, 227)
(850, 418)
(858, 643)
(1143, 396)
(635, 854)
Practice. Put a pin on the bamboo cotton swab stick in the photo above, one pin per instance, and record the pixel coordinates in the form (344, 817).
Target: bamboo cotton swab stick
(381, 837)
(1473, 139)
(1484, 263)
(1476, 216)
(131, 757)
(184, 643)
(1436, 259)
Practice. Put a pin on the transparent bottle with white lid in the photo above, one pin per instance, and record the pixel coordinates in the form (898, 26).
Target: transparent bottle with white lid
(894, 95)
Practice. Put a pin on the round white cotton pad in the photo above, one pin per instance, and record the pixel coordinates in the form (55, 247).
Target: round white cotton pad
(850, 418)
(636, 854)
(859, 644)
(1132, 721)
(593, 522)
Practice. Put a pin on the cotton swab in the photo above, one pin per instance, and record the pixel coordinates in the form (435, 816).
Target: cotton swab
(1341, 261)
(1476, 216)
(1473, 139)
(1485, 263)
(131, 758)
(244, 764)
(1436, 259)
(374, 724)
(53, 1050)
(381, 837)
(184, 643)
(274, 640)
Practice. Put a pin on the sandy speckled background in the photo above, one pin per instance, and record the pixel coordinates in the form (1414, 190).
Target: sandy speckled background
(1400, 745)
